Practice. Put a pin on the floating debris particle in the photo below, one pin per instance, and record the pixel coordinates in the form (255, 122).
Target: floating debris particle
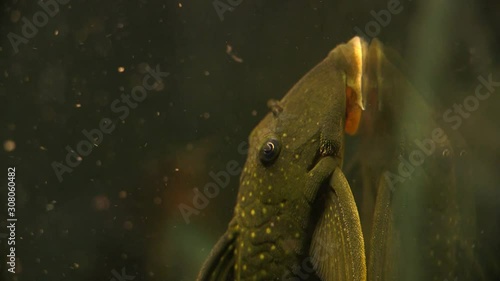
(9, 145)
(229, 51)
(49, 207)
(206, 73)
(206, 115)
(121, 69)
(101, 203)
(122, 194)
(78, 105)
(180, 5)
(254, 112)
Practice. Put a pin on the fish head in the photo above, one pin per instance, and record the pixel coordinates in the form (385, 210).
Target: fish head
(306, 126)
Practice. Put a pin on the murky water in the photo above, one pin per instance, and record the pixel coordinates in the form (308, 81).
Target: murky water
(125, 126)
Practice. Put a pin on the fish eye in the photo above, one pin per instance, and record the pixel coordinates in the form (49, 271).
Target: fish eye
(269, 151)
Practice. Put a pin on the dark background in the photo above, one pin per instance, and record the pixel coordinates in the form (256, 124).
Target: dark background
(120, 207)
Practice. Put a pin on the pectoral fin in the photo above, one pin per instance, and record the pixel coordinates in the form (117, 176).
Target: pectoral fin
(219, 265)
(337, 247)
(382, 253)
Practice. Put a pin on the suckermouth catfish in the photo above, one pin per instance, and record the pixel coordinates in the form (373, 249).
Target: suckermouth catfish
(295, 217)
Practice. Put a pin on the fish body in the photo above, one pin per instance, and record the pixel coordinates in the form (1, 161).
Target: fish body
(295, 216)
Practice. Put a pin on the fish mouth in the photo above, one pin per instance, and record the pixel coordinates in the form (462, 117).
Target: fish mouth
(356, 50)
(360, 48)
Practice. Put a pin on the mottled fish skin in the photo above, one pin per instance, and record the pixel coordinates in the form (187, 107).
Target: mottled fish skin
(275, 216)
